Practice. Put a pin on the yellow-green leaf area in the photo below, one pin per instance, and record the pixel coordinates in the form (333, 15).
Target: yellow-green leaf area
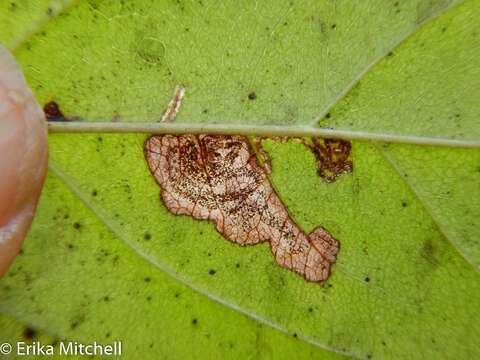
(102, 60)
(105, 260)
(428, 86)
(77, 280)
(396, 276)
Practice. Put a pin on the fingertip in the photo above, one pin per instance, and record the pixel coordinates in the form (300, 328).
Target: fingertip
(23, 157)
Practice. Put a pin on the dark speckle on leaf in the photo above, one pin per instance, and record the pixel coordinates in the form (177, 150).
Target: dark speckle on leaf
(29, 333)
(76, 225)
(252, 95)
(52, 112)
(212, 272)
(428, 250)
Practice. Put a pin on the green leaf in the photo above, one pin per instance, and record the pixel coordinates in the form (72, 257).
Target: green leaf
(21, 19)
(106, 261)
(124, 60)
(77, 280)
(428, 86)
(14, 330)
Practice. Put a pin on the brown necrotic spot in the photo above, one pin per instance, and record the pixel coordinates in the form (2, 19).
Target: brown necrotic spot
(52, 112)
(333, 157)
(29, 333)
(217, 178)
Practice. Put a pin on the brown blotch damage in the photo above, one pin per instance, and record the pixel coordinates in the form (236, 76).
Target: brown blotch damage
(53, 113)
(333, 157)
(217, 178)
(29, 333)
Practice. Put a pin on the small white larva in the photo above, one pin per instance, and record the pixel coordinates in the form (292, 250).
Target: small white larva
(174, 104)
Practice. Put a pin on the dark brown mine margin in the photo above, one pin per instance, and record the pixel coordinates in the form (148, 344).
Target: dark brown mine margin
(52, 112)
(333, 157)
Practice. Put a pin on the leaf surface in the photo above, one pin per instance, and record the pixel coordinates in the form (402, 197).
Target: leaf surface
(105, 259)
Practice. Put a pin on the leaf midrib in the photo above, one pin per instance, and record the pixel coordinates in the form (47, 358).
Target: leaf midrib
(82, 127)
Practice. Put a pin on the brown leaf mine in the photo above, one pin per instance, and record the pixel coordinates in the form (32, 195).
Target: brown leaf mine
(217, 178)
(52, 112)
(332, 158)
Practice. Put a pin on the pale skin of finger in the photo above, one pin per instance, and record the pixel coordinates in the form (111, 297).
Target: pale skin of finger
(23, 158)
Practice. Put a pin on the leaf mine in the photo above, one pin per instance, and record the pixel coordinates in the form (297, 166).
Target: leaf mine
(332, 158)
(53, 113)
(174, 104)
(217, 178)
